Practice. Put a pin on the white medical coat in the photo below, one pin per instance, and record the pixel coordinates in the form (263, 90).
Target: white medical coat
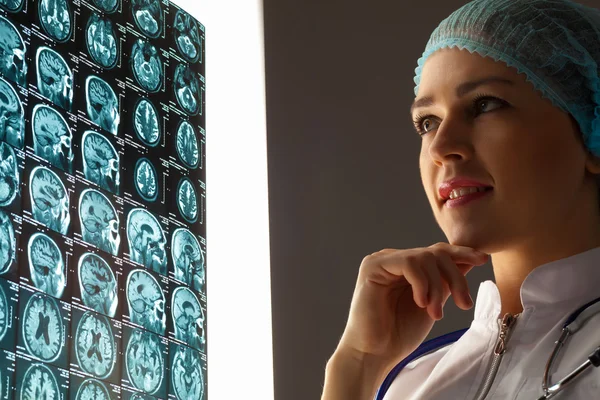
(549, 294)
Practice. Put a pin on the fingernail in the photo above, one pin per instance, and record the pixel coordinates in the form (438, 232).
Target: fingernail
(471, 302)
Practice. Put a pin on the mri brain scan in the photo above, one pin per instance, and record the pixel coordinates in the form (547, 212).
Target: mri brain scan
(146, 124)
(102, 104)
(91, 389)
(99, 221)
(108, 6)
(49, 200)
(43, 328)
(101, 162)
(46, 265)
(39, 383)
(12, 116)
(187, 200)
(186, 374)
(54, 77)
(146, 65)
(8, 243)
(187, 36)
(97, 284)
(101, 41)
(52, 137)
(186, 85)
(95, 347)
(188, 317)
(146, 240)
(148, 16)
(146, 301)
(144, 361)
(188, 149)
(188, 259)
(55, 18)
(4, 314)
(146, 179)
(13, 64)
(9, 175)
(12, 5)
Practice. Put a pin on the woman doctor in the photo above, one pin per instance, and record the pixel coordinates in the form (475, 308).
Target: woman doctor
(508, 109)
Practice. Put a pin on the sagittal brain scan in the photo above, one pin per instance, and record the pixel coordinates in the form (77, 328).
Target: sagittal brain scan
(144, 361)
(101, 41)
(8, 243)
(13, 64)
(102, 104)
(145, 123)
(186, 85)
(95, 345)
(97, 284)
(12, 116)
(146, 65)
(99, 221)
(54, 77)
(38, 383)
(186, 374)
(55, 17)
(187, 36)
(188, 317)
(4, 314)
(42, 327)
(46, 264)
(188, 259)
(148, 16)
(146, 301)
(92, 389)
(188, 149)
(108, 6)
(101, 162)
(12, 5)
(187, 200)
(52, 137)
(9, 175)
(49, 200)
(146, 179)
(146, 240)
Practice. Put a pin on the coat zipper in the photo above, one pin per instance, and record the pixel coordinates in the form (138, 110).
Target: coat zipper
(506, 326)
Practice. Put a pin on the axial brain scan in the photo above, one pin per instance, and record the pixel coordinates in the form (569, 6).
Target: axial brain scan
(146, 65)
(101, 162)
(54, 77)
(9, 175)
(187, 36)
(187, 145)
(102, 104)
(39, 383)
(186, 374)
(188, 259)
(146, 180)
(91, 389)
(13, 65)
(12, 5)
(97, 284)
(146, 301)
(95, 347)
(188, 317)
(146, 240)
(144, 361)
(101, 40)
(4, 313)
(55, 17)
(49, 200)
(99, 221)
(108, 6)
(8, 243)
(46, 265)
(145, 123)
(148, 16)
(43, 328)
(187, 89)
(187, 200)
(52, 137)
(12, 116)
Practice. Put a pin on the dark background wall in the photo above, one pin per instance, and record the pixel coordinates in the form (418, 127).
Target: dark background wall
(343, 166)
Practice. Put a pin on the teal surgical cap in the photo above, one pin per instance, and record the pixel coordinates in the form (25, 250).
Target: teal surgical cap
(555, 43)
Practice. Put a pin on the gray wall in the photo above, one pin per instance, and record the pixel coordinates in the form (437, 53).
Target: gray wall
(343, 166)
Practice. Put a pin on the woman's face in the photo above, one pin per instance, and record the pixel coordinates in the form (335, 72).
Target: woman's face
(514, 140)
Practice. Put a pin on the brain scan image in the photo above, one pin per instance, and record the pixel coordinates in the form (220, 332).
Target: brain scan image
(187, 200)
(13, 63)
(188, 149)
(146, 240)
(146, 179)
(99, 221)
(49, 200)
(12, 5)
(188, 317)
(9, 175)
(101, 162)
(146, 65)
(43, 328)
(8, 243)
(101, 41)
(186, 374)
(144, 361)
(139, 396)
(187, 36)
(4, 313)
(39, 383)
(187, 89)
(102, 104)
(54, 77)
(46, 265)
(145, 124)
(148, 16)
(12, 116)
(188, 259)
(146, 301)
(91, 389)
(95, 346)
(55, 18)
(97, 284)
(108, 6)
(52, 137)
